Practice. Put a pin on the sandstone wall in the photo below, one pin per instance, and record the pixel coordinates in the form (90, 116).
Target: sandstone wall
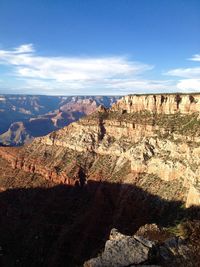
(174, 157)
(166, 103)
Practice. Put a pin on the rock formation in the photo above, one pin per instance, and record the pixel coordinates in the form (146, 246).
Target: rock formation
(24, 117)
(149, 143)
(140, 158)
(160, 103)
(122, 250)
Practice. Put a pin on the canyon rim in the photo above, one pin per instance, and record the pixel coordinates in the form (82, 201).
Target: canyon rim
(100, 133)
(132, 165)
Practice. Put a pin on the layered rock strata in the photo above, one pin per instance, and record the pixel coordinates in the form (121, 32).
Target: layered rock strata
(160, 103)
(153, 137)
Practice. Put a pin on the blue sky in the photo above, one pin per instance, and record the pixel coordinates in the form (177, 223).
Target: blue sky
(99, 46)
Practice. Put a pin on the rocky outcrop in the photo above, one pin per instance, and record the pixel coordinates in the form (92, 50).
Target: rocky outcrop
(121, 250)
(193, 197)
(157, 248)
(161, 103)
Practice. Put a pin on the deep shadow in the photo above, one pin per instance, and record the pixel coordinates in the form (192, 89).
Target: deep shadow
(64, 225)
(102, 129)
(82, 177)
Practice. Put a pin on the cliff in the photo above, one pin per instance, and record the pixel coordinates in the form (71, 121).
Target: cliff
(133, 141)
(23, 118)
(163, 103)
(115, 169)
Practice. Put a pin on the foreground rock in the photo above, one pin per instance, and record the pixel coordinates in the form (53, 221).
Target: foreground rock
(150, 246)
(121, 250)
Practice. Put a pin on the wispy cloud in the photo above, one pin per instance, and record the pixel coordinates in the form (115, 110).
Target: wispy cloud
(195, 57)
(185, 72)
(33, 73)
(189, 78)
(60, 75)
(28, 64)
(189, 85)
(138, 84)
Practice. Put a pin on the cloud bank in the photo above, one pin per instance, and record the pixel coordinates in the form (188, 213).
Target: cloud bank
(195, 57)
(35, 74)
(189, 77)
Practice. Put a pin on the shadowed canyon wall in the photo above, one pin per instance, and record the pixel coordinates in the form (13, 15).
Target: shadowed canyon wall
(123, 167)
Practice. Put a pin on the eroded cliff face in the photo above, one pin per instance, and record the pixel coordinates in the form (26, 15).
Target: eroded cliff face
(165, 103)
(142, 140)
(22, 118)
(118, 168)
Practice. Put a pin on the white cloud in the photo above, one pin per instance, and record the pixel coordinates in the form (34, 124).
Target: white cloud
(26, 48)
(189, 77)
(28, 64)
(195, 57)
(189, 84)
(35, 74)
(105, 86)
(66, 75)
(141, 83)
(22, 49)
(185, 72)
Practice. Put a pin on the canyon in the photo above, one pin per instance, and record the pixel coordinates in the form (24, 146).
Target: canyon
(122, 167)
(24, 117)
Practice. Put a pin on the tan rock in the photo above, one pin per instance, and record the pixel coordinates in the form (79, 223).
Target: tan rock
(193, 198)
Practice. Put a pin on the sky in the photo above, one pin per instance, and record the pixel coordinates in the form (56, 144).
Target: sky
(99, 47)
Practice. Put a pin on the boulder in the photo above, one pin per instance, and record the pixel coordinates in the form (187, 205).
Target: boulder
(122, 250)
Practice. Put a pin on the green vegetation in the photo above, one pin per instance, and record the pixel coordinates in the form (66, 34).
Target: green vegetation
(119, 175)
(170, 190)
(105, 166)
(178, 123)
(187, 230)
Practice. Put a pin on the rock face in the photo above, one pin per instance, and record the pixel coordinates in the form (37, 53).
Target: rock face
(139, 138)
(165, 103)
(116, 168)
(121, 250)
(24, 117)
(193, 197)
